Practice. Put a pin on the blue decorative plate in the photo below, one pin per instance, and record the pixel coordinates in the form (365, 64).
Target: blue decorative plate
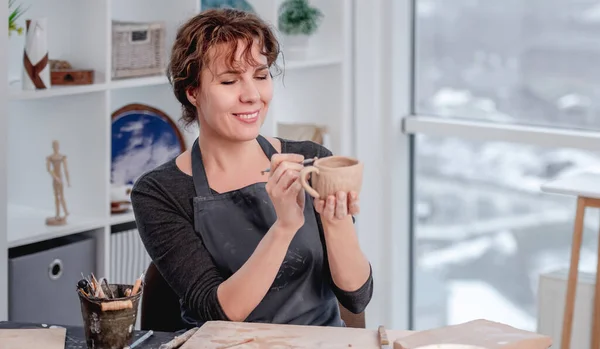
(143, 138)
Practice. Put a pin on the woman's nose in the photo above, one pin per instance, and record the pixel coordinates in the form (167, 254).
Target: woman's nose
(249, 93)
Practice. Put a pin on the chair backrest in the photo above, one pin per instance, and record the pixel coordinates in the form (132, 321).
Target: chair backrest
(160, 309)
(160, 306)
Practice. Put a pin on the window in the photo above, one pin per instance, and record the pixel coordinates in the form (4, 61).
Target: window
(512, 61)
(483, 230)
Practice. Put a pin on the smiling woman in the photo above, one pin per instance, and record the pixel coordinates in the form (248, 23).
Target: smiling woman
(233, 242)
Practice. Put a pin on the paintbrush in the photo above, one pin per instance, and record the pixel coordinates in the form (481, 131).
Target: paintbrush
(305, 162)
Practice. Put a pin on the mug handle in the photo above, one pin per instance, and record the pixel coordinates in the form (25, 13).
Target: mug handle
(303, 174)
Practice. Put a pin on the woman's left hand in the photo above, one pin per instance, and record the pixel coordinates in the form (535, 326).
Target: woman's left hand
(337, 207)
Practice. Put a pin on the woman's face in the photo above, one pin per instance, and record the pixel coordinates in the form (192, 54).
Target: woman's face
(233, 104)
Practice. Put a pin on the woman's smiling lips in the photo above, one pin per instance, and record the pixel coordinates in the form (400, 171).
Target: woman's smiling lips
(248, 117)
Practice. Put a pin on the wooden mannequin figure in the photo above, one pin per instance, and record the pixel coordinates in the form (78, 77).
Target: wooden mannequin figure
(56, 164)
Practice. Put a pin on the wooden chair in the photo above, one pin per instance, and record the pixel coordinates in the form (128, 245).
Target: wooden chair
(586, 188)
(160, 306)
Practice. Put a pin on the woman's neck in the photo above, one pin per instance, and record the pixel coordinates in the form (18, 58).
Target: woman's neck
(221, 154)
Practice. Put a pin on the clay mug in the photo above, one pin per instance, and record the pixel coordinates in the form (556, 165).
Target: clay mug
(332, 174)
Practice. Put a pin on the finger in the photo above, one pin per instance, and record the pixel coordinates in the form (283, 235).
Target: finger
(283, 168)
(319, 205)
(287, 180)
(354, 208)
(294, 187)
(353, 203)
(297, 190)
(277, 159)
(341, 205)
(278, 184)
(329, 209)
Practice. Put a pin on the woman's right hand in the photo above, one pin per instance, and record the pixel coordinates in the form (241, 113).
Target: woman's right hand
(285, 190)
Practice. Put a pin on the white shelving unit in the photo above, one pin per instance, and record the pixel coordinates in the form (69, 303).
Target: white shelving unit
(316, 89)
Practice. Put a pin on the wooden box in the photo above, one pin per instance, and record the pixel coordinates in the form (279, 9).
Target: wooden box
(71, 77)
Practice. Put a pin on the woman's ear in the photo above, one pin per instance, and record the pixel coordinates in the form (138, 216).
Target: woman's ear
(192, 95)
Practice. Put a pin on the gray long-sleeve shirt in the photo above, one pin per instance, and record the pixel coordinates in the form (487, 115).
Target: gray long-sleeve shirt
(162, 203)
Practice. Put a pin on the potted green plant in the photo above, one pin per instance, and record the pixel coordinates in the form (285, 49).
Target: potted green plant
(13, 15)
(297, 21)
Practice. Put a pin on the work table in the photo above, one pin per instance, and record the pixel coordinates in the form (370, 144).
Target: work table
(76, 339)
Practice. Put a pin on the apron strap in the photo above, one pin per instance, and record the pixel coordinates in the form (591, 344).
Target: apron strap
(266, 146)
(198, 173)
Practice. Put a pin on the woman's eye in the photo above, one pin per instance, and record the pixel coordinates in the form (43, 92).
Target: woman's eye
(262, 77)
(227, 82)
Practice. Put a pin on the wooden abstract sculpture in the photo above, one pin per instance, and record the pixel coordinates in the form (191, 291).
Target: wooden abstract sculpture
(56, 164)
(36, 70)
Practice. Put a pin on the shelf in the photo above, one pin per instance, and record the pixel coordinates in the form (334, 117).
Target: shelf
(119, 218)
(138, 82)
(312, 63)
(28, 225)
(16, 93)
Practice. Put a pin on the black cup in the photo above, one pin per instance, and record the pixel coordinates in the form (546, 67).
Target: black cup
(109, 329)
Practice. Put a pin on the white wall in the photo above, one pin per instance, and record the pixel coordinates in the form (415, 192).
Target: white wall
(382, 99)
(3, 147)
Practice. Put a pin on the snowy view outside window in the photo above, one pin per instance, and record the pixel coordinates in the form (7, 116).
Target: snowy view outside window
(484, 232)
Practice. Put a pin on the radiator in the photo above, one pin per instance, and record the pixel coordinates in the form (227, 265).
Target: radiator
(551, 305)
(128, 257)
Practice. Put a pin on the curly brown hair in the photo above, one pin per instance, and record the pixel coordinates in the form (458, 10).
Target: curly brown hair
(211, 29)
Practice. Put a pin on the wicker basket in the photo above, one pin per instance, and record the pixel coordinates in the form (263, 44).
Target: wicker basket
(138, 49)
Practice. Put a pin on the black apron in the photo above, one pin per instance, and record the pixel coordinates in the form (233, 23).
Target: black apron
(232, 224)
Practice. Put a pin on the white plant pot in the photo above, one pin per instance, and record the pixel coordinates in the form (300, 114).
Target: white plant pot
(36, 65)
(296, 47)
(16, 46)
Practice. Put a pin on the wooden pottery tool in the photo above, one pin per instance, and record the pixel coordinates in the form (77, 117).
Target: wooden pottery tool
(179, 340)
(137, 285)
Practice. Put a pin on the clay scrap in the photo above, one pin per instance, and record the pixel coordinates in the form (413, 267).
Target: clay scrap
(479, 333)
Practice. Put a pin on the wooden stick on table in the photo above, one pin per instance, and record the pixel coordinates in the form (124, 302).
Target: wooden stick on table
(179, 340)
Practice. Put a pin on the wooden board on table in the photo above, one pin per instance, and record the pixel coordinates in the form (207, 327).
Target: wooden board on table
(222, 334)
(476, 334)
(27, 338)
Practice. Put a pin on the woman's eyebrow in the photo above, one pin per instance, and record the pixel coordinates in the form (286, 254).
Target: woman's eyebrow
(237, 71)
(230, 71)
